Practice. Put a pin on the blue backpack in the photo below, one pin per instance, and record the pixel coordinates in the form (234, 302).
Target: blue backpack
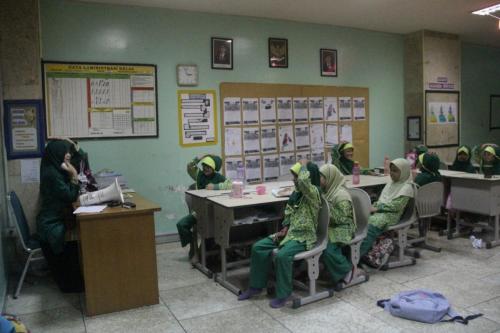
(423, 305)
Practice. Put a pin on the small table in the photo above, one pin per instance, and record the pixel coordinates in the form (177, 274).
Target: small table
(367, 181)
(118, 257)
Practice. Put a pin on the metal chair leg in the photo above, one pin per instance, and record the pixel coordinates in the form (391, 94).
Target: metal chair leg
(23, 275)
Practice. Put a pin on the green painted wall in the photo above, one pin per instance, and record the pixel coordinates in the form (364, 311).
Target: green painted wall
(480, 79)
(75, 31)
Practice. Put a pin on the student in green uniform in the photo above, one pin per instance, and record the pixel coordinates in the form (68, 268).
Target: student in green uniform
(420, 149)
(388, 209)
(490, 160)
(58, 190)
(429, 169)
(207, 178)
(462, 160)
(298, 234)
(342, 224)
(343, 158)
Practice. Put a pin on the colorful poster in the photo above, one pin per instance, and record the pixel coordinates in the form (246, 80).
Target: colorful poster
(267, 111)
(441, 113)
(232, 111)
(285, 113)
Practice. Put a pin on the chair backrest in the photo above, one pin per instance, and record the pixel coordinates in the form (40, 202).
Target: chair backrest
(22, 226)
(361, 203)
(409, 212)
(429, 199)
(323, 222)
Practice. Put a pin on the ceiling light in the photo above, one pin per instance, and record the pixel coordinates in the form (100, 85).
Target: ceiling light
(488, 10)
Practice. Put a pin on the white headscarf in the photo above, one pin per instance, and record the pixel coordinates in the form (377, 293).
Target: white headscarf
(335, 188)
(403, 187)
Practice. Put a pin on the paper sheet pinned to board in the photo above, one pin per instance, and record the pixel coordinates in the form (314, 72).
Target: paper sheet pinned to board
(30, 170)
(90, 209)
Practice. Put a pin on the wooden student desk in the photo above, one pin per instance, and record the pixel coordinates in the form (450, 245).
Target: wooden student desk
(118, 257)
(231, 212)
(473, 193)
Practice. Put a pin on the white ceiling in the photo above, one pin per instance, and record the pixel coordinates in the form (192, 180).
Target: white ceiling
(394, 16)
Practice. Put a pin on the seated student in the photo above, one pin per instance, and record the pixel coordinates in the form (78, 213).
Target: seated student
(342, 224)
(462, 160)
(58, 190)
(490, 160)
(297, 235)
(388, 209)
(208, 178)
(420, 149)
(343, 158)
(429, 169)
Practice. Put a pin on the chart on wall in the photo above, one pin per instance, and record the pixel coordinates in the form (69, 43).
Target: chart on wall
(197, 117)
(96, 100)
(266, 128)
(442, 118)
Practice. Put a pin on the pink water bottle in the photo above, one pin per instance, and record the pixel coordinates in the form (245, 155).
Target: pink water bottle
(355, 173)
(387, 163)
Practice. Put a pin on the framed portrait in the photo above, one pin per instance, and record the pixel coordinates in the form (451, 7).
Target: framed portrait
(442, 117)
(222, 53)
(328, 62)
(494, 112)
(278, 53)
(414, 128)
(24, 132)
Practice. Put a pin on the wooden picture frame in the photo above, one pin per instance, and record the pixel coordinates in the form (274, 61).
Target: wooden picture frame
(442, 118)
(222, 53)
(328, 62)
(278, 52)
(414, 128)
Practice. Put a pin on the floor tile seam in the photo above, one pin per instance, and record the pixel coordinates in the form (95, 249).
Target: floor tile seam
(486, 301)
(173, 315)
(220, 311)
(44, 310)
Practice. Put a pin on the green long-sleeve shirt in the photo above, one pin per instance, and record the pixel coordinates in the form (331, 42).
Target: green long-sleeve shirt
(302, 219)
(220, 182)
(342, 226)
(388, 214)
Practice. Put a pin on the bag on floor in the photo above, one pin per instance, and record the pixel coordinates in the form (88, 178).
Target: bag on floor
(375, 256)
(423, 305)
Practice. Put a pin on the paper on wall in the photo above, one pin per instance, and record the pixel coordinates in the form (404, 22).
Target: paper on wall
(271, 167)
(316, 108)
(251, 140)
(285, 113)
(287, 160)
(331, 134)
(442, 113)
(268, 139)
(301, 155)
(346, 133)
(252, 169)
(300, 106)
(317, 136)
(250, 108)
(267, 111)
(359, 108)
(318, 157)
(302, 137)
(286, 142)
(232, 140)
(345, 108)
(30, 170)
(331, 109)
(232, 164)
(232, 111)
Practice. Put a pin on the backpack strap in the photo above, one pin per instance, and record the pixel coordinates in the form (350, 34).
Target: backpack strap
(455, 317)
(382, 302)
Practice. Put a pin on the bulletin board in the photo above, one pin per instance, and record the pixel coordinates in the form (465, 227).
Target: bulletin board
(100, 100)
(442, 118)
(197, 117)
(266, 128)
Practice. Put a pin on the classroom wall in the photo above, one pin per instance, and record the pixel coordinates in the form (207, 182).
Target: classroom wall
(74, 31)
(480, 79)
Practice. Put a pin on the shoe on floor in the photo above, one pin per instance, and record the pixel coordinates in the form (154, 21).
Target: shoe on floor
(279, 302)
(250, 292)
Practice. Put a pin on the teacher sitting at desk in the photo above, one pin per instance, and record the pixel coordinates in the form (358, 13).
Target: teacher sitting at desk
(58, 190)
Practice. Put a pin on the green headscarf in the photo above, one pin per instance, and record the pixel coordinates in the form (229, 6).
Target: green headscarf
(421, 149)
(202, 180)
(403, 187)
(343, 164)
(314, 175)
(335, 189)
(430, 163)
(464, 166)
(493, 167)
(55, 152)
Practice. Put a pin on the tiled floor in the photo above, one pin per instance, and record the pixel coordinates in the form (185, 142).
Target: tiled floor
(190, 302)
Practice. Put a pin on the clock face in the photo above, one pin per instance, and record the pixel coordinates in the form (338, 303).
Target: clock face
(187, 75)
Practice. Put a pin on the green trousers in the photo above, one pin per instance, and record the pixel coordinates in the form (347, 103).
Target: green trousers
(371, 236)
(184, 227)
(261, 261)
(336, 263)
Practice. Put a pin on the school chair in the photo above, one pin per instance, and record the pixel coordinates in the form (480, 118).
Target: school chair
(31, 246)
(361, 203)
(312, 259)
(407, 219)
(428, 202)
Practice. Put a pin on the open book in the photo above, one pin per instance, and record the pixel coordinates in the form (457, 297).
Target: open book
(282, 192)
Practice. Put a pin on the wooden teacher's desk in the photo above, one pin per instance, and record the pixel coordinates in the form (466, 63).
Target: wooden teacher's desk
(118, 257)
